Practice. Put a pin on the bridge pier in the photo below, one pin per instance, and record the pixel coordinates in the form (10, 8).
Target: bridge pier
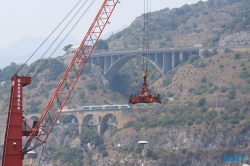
(175, 59)
(164, 59)
(184, 56)
(159, 60)
(167, 62)
(107, 63)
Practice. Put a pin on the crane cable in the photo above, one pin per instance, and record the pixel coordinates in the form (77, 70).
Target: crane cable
(143, 40)
(146, 31)
(48, 36)
(63, 39)
(79, 19)
(148, 34)
(65, 27)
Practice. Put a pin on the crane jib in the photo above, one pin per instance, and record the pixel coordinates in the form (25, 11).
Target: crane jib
(39, 134)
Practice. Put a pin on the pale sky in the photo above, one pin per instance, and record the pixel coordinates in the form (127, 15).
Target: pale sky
(38, 18)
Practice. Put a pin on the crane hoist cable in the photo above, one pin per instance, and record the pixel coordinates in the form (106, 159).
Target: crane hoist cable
(144, 95)
(143, 39)
(148, 30)
(146, 35)
(79, 19)
(48, 36)
(65, 27)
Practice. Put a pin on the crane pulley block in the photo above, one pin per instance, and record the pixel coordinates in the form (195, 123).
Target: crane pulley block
(144, 95)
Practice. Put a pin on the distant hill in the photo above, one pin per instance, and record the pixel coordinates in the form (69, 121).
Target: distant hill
(19, 51)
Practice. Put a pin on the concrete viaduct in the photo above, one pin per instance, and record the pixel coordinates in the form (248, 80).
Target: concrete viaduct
(163, 59)
(97, 119)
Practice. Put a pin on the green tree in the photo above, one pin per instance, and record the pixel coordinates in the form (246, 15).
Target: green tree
(81, 95)
(162, 44)
(227, 50)
(64, 118)
(138, 149)
(232, 94)
(67, 47)
(92, 86)
(206, 53)
(193, 58)
(102, 45)
(202, 102)
(237, 56)
(68, 156)
(91, 136)
(152, 154)
(215, 51)
(204, 79)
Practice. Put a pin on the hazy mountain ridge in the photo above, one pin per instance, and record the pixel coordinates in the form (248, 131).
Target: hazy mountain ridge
(19, 51)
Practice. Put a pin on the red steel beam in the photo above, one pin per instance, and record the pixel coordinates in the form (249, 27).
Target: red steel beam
(12, 151)
(70, 77)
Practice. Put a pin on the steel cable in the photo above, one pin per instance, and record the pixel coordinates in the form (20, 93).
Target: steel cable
(63, 39)
(48, 37)
(65, 27)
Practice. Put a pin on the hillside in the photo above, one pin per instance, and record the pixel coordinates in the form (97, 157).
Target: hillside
(205, 110)
(203, 22)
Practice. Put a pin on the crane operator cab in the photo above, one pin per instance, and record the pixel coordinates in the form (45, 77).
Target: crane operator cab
(144, 95)
(28, 126)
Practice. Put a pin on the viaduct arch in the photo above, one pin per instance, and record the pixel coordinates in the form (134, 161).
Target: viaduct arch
(97, 119)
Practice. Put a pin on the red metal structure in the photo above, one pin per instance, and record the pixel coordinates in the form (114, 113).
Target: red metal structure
(144, 95)
(38, 132)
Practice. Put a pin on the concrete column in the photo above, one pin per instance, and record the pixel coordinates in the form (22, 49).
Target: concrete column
(159, 60)
(166, 65)
(99, 127)
(80, 128)
(175, 59)
(94, 60)
(79, 118)
(101, 62)
(185, 56)
(107, 63)
(151, 57)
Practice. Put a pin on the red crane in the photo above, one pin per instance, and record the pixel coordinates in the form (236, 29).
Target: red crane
(17, 126)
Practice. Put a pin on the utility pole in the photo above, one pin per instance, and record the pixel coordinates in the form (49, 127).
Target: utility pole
(143, 143)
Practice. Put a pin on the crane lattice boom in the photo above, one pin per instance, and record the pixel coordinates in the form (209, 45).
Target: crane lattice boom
(13, 152)
(70, 77)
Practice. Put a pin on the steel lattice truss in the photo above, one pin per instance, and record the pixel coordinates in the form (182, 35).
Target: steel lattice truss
(70, 77)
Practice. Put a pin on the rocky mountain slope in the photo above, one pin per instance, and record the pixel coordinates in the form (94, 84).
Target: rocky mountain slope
(205, 115)
(203, 22)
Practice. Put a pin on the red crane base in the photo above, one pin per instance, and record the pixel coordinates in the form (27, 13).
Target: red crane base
(144, 96)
